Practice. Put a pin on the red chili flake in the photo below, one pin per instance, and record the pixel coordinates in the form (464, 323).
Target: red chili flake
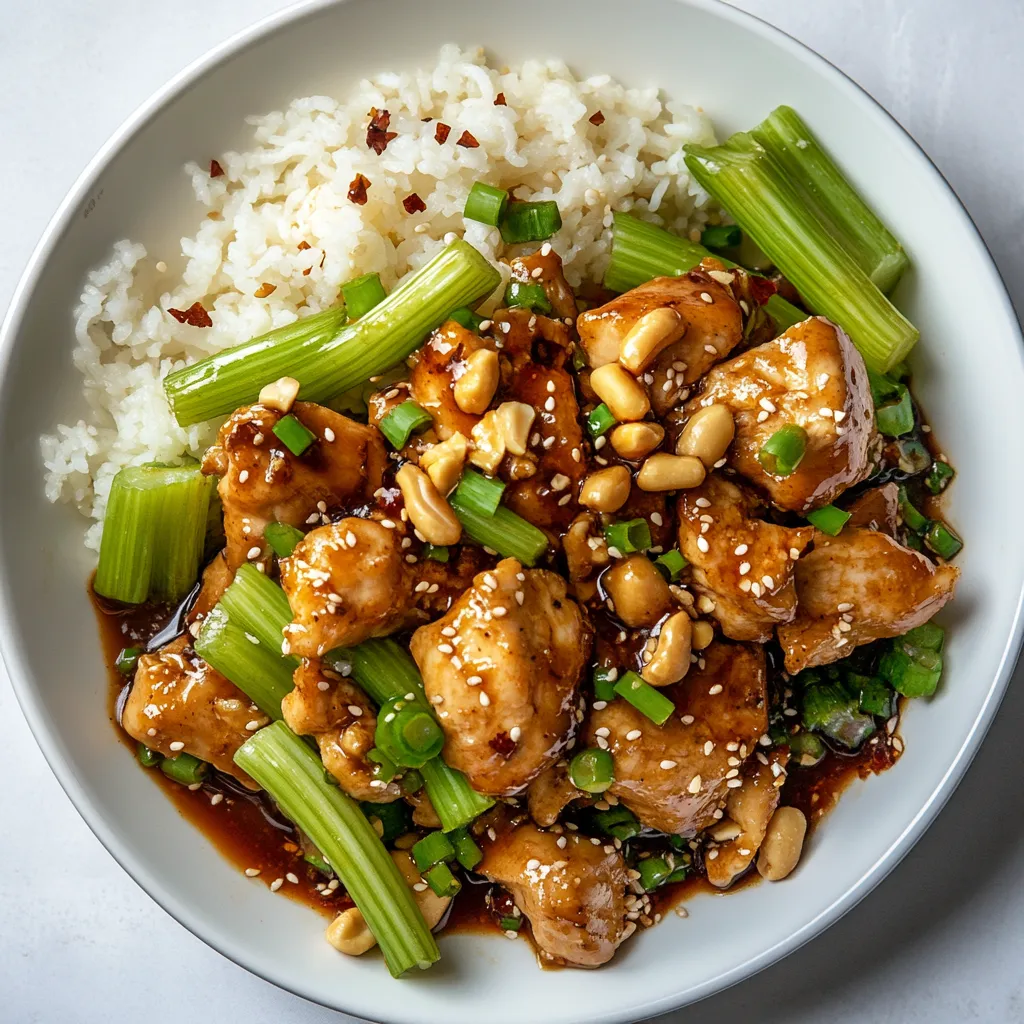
(502, 744)
(499, 100)
(413, 204)
(357, 190)
(467, 140)
(761, 289)
(597, 118)
(441, 133)
(304, 245)
(377, 134)
(426, 120)
(305, 273)
(194, 316)
(215, 169)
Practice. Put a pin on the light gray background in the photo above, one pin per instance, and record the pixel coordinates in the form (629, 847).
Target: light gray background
(941, 940)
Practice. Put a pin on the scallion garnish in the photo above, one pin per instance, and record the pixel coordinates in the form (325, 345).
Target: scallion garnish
(912, 518)
(530, 222)
(592, 770)
(432, 849)
(671, 565)
(939, 476)
(941, 539)
(408, 733)
(128, 660)
(402, 422)
(629, 537)
(654, 872)
(282, 538)
(896, 418)
(828, 708)
(467, 853)
(721, 236)
(363, 294)
(184, 768)
(436, 552)
(619, 822)
(645, 698)
(293, 434)
(485, 204)
(529, 295)
(479, 493)
(442, 881)
(600, 420)
(604, 683)
(466, 317)
(828, 519)
(784, 450)
(510, 924)
(395, 818)
(146, 757)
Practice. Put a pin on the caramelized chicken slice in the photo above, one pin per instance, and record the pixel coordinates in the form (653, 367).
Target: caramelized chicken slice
(550, 793)
(811, 376)
(217, 578)
(573, 894)
(502, 668)
(545, 269)
(178, 704)
(877, 509)
(263, 482)
(743, 564)
(710, 327)
(338, 715)
(738, 836)
(674, 776)
(858, 587)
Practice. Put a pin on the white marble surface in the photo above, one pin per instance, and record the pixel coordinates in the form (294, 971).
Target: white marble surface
(941, 940)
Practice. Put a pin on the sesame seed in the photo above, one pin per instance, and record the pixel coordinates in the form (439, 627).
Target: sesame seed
(328, 434)
(702, 544)
(520, 597)
(603, 731)
(500, 612)
(243, 476)
(387, 524)
(600, 443)
(276, 884)
(421, 586)
(177, 745)
(708, 747)
(767, 405)
(744, 568)
(253, 725)
(711, 350)
(715, 690)
(484, 699)
(694, 786)
(734, 783)
(474, 680)
(687, 719)
(706, 297)
(253, 552)
(844, 606)
(668, 765)
(549, 404)
(702, 503)
(762, 416)
(559, 482)
(292, 877)
(826, 412)
(251, 872)
(768, 582)
(350, 539)
(732, 773)
(514, 733)
(355, 710)
(794, 553)
(657, 519)
(561, 842)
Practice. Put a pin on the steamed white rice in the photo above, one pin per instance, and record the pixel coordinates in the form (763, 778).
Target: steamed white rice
(291, 188)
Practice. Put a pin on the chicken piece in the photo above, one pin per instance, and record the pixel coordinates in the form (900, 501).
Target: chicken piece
(743, 564)
(338, 715)
(545, 268)
(750, 807)
(877, 509)
(861, 586)
(178, 704)
(503, 667)
(673, 777)
(263, 482)
(811, 376)
(550, 793)
(709, 330)
(574, 896)
(217, 578)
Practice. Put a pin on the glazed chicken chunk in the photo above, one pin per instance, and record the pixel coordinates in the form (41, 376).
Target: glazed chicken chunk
(178, 704)
(502, 668)
(860, 586)
(573, 895)
(263, 482)
(673, 777)
(813, 377)
(741, 563)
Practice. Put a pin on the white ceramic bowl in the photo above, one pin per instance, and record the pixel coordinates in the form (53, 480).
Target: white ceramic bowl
(968, 373)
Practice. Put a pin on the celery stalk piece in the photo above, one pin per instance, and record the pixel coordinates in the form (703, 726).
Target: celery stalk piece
(154, 533)
(259, 606)
(328, 357)
(835, 201)
(641, 251)
(294, 777)
(752, 186)
(505, 532)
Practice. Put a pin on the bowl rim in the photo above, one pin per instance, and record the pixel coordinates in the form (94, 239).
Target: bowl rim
(21, 677)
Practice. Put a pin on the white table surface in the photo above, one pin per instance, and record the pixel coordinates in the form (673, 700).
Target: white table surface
(941, 940)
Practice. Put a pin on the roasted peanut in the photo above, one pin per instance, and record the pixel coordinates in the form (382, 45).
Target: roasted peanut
(708, 434)
(623, 394)
(671, 658)
(430, 513)
(649, 336)
(638, 591)
(664, 472)
(585, 549)
(475, 388)
(281, 394)
(444, 462)
(635, 441)
(349, 933)
(701, 634)
(783, 844)
(607, 490)
(515, 420)
(488, 443)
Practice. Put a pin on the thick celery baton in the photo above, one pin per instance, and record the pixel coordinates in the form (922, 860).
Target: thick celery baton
(294, 777)
(329, 357)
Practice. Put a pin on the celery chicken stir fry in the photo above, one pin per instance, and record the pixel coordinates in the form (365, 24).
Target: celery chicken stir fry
(563, 603)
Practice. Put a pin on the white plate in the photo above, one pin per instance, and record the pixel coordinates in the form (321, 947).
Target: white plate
(968, 373)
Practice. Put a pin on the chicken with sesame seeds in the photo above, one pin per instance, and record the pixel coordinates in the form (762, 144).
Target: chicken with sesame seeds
(571, 890)
(860, 586)
(503, 667)
(263, 482)
(743, 564)
(550, 793)
(544, 267)
(812, 377)
(178, 704)
(674, 776)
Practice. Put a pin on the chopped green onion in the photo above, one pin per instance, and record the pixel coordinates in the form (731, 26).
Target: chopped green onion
(927, 637)
(829, 709)
(755, 190)
(467, 853)
(146, 757)
(618, 822)
(432, 849)
(282, 538)
(395, 818)
(385, 769)
(911, 671)
(442, 881)
(721, 236)
(128, 660)
(784, 450)
(654, 872)
(362, 295)
(671, 565)
(592, 770)
(806, 748)
(600, 420)
(828, 519)
(913, 457)
(412, 781)
(510, 924)
(833, 199)
(154, 533)
(896, 418)
(645, 698)
(579, 359)
(529, 295)
(408, 733)
(939, 476)
(629, 537)
(293, 434)
(912, 519)
(184, 768)
(874, 696)
(485, 204)
(293, 777)
(314, 860)
(480, 494)
(530, 222)
(604, 683)
(505, 532)
(402, 422)
(941, 539)
(326, 355)
(436, 552)
(466, 317)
